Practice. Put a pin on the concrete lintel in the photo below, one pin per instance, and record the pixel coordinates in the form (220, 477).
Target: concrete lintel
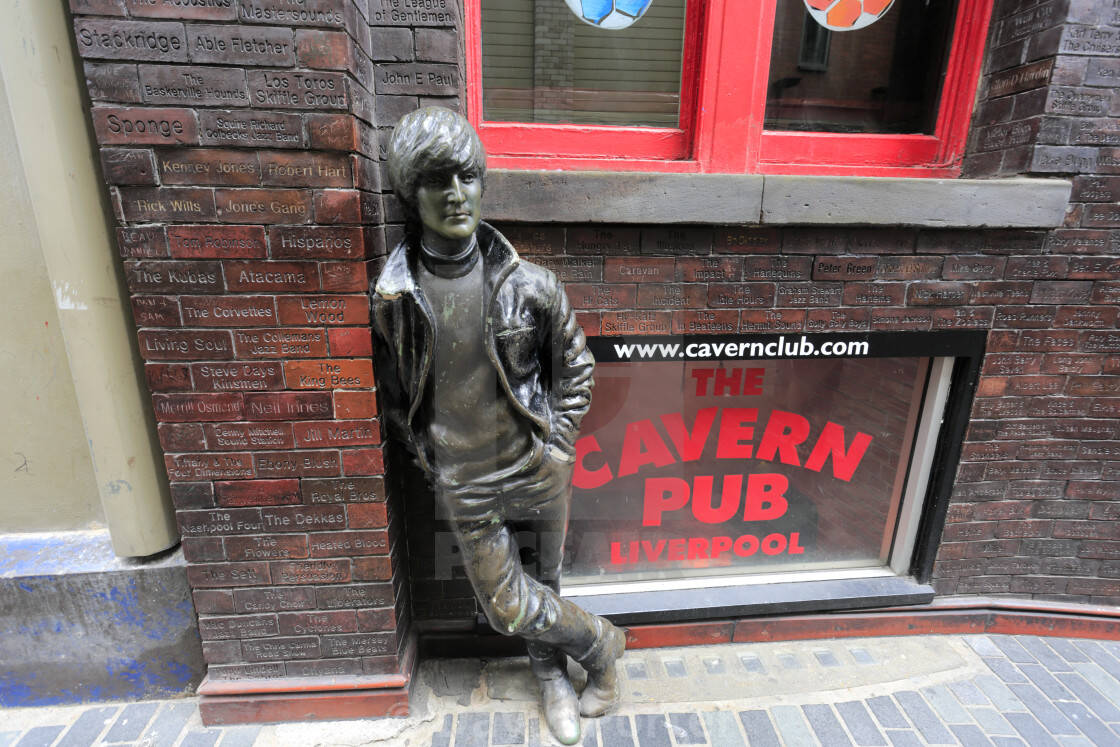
(621, 197)
(744, 199)
(941, 203)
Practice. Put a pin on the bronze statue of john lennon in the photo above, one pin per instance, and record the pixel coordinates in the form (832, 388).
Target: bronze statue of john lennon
(485, 376)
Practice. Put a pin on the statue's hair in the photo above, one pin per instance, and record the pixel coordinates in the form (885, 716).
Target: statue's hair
(431, 140)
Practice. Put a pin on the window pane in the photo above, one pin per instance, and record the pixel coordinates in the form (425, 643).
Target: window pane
(741, 467)
(884, 77)
(540, 63)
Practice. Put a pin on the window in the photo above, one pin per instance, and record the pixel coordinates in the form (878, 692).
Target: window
(730, 86)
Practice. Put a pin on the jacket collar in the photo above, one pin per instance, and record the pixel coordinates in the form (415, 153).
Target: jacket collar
(399, 274)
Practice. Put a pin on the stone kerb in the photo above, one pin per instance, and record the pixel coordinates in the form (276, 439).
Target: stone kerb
(236, 139)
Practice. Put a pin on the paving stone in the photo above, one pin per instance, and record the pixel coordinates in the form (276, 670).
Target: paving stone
(1091, 697)
(201, 738)
(1012, 649)
(653, 731)
(968, 693)
(861, 656)
(946, 705)
(826, 725)
(1067, 650)
(687, 729)
(616, 731)
(85, 731)
(826, 658)
(442, 738)
(1098, 654)
(169, 721)
(590, 735)
(40, 736)
(636, 670)
(1002, 698)
(724, 731)
(509, 728)
(1032, 731)
(759, 729)
(982, 645)
(863, 729)
(1006, 671)
(789, 661)
(472, 730)
(903, 738)
(791, 725)
(675, 667)
(1040, 649)
(130, 724)
(887, 712)
(714, 666)
(1045, 682)
(1008, 742)
(992, 722)
(1043, 710)
(752, 663)
(1101, 680)
(931, 728)
(1092, 726)
(970, 735)
(246, 736)
(1075, 742)
(8, 738)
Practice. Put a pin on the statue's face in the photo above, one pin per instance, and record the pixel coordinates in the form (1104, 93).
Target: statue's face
(450, 204)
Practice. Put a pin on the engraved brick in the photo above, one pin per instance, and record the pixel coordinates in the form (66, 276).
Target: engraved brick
(607, 241)
(281, 649)
(312, 434)
(373, 568)
(973, 268)
(222, 575)
(901, 319)
(208, 166)
(205, 86)
(838, 320)
(413, 13)
(425, 79)
(636, 322)
(212, 10)
(333, 132)
(809, 294)
(218, 522)
(676, 241)
(354, 405)
(238, 626)
(367, 516)
(305, 169)
(183, 408)
(292, 342)
(1001, 292)
(298, 90)
(149, 241)
(241, 671)
(155, 311)
(307, 623)
(98, 7)
(706, 269)
(128, 166)
(216, 242)
(777, 268)
(671, 296)
(306, 13)
(1060, 159)
(228, 311)
(328, 50)
(772, 320)
(272, 276)
(158, 345)
(192, 467)
(241, 45)
(359, 644)
(908, 268)
(350, 342)
(323, 309)
(257, 492)
(130, 40)
(311, 571)
(181, 437)
(347, 544)
(1020, 317)
(1071, 363)
(741, 295)
(168, 377)
(329, 374)
(702, 321)
(316, 242)
(341, 206)
(157, 204)
(303, 518)
(344, 276)
(274, 600)
(1061, 292)
(937, 294)
(962, 318)
(1018, 79)
(263, 205)
(638, 270)
(1102, 216)
(874, 294)
(1102, 342)
(736, 240)
(250, 129)
(1081, 317)
(232, 377)
(297, 464)
(574, 269)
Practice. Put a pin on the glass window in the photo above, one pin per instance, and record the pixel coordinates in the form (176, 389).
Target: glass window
(884, 77)
(693, 469)
(542, 63)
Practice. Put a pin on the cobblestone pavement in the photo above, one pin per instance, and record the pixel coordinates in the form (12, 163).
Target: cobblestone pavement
(898, 691)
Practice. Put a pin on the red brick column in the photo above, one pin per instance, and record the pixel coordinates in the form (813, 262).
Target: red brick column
(234, 138)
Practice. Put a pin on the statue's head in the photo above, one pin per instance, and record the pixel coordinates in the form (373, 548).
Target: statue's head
(437, 166)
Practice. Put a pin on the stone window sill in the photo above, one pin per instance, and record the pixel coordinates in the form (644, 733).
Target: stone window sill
(753, 199)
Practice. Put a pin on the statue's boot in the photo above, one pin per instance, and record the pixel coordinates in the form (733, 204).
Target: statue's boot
(602, 692)
(558, 697)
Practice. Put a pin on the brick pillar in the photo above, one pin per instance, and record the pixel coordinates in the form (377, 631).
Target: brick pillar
(237, 140)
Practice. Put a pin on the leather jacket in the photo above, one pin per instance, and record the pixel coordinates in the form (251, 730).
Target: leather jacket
(532, 339)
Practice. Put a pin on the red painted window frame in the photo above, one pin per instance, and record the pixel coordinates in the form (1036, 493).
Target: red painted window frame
(723, 100)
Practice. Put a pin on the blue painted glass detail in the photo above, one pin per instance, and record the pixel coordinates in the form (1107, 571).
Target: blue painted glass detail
(597, 10)
(632, 7)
